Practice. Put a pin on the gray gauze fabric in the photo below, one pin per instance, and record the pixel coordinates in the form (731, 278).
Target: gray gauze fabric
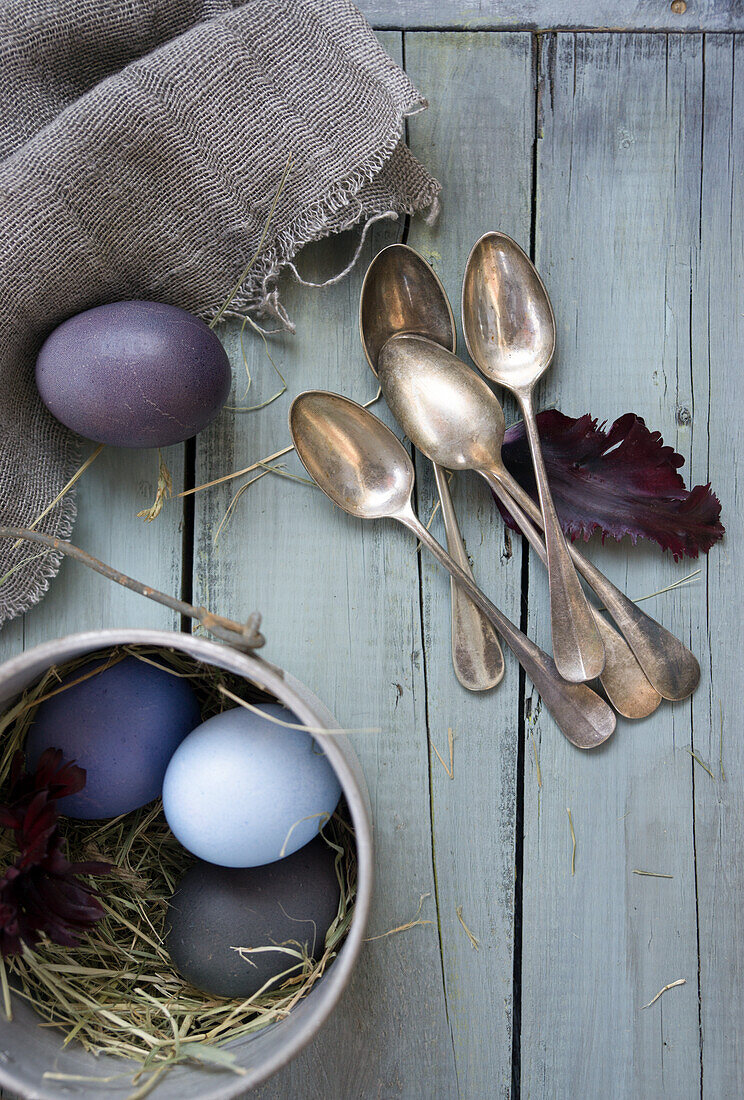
(141, 146)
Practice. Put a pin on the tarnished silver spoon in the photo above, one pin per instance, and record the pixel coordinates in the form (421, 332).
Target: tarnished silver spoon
(450, 413)
(362, 466)
(404, 294)
(509, 329)
(399, 289)
(447, 411)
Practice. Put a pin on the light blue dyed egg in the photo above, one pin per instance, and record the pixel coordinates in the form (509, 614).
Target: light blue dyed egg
(241, 791)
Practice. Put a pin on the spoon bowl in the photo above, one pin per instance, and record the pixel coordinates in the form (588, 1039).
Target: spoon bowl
(401, 292)
(354, 458)
(507, 316)
(443, 406)
(510, 332)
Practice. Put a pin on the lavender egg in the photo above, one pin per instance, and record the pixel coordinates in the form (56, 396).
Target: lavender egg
(122, 725)
(134, 374)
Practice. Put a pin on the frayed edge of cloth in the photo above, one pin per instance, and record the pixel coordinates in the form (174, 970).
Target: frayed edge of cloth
(59, 524)
(259, 293)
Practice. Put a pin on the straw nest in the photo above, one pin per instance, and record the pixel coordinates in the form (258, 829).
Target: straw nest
(117, 992)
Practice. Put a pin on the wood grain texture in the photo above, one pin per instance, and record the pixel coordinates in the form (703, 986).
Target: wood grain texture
(619, 15)
(119, 484)
(617, 202)
(340, 600)
(483, 84)
(717, 410)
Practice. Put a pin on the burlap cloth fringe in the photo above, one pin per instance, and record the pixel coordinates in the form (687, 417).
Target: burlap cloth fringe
(141, 146)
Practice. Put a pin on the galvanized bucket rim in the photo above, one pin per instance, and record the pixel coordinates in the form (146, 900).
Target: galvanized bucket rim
(338, 749)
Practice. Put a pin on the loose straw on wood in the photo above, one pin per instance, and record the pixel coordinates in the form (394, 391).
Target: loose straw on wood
(63, 491)
(672, 985)
(261, 462)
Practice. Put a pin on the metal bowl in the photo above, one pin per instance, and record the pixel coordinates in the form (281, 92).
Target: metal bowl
(27, 1051)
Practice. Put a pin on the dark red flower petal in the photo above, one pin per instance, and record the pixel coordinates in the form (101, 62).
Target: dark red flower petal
(9, 926)
(624, 481)
(40, 901)
(10, 943)
(38, 811)
(9, 819)
(16, 767)
(62, 900)
(58, 777)
(42, 893)
(34, 851)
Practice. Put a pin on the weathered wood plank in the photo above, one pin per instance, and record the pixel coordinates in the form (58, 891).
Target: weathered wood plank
(482, 89)
(717, 410)
(618, 181)
(119, 484)
(340, 601)
(11, 639)
(618, 15)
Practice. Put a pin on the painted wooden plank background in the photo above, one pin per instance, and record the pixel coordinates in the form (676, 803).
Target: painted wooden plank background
(119, 484)
(618, 15)
(618, 159)
(618, 173)
(336, 578)
(342, 589)
(489, 81)
(717, 408)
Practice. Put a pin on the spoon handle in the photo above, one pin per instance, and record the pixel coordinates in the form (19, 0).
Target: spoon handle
(577, 646)
(584, 719)
(476, 653)
(623, 679)
(669, 665)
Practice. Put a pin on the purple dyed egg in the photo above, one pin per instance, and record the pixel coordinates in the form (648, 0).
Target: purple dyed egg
(134, 374)
(122, 725)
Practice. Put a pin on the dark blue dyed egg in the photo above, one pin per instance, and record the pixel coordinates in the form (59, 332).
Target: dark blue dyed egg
(134, 374)
(122, 725)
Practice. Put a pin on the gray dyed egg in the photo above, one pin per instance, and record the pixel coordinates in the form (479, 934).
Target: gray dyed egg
(215, 909)
(134, 374)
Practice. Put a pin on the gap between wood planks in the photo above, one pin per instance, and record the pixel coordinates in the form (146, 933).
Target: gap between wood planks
(540, 32)
(188, 506)
(516, 1068)
(403, 239)
(707, 585)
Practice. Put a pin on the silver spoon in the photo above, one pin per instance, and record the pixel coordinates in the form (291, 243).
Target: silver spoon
(410, 298)
(509, 329)
(448, 411)
(361, 465)
(400, 287)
